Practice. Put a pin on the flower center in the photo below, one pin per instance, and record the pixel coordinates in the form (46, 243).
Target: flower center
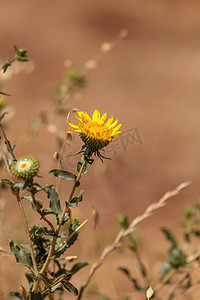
(24, 165)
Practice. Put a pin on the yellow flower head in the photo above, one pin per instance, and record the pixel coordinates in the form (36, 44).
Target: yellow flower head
(94, 132)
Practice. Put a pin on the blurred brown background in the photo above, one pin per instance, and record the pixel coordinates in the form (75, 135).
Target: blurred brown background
(150, 81)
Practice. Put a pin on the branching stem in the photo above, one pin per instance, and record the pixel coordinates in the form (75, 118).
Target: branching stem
(52, 249)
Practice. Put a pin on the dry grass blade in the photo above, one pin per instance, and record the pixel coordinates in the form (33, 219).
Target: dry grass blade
(123, 233)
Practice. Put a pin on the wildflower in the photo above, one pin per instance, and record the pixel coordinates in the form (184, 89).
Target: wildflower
(25, 167)
(94, 132)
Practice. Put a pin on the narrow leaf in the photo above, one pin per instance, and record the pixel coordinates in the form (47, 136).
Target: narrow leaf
(46, 280)
(3, 115)
(169, 235)
(6, 181)
(78, 266)
(70, 287)
(15, 294)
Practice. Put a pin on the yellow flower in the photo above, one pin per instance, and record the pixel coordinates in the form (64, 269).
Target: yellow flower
(94, 132)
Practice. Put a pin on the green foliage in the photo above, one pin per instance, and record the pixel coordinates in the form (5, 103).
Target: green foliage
(20, 54)
(64, 174)
(75, 200)
(22, 257)
(123, 221)
(15, 294)
(134, 281)
(87, 166)
(176, 258)
(30, 199)
(3, 115)
(76, 79)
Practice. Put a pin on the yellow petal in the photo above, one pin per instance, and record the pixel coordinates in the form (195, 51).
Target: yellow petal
(96, 115)
(103, 118)
(109, 121)
(116, 128)
(72, 125)
(114, 124)
(88, 117)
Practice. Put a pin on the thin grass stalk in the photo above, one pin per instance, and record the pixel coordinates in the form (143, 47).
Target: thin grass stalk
(123, 233)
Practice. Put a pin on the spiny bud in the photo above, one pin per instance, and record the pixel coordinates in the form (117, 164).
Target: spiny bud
(25, 167)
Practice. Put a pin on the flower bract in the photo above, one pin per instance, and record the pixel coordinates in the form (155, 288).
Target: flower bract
(25, 167)
(95, 132)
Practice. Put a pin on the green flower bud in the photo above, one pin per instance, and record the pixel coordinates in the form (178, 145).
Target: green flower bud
(25, 167)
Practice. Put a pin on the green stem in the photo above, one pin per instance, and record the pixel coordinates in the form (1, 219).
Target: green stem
(52, 249)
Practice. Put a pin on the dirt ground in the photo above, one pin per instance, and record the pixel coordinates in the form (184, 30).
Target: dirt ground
(150, 81)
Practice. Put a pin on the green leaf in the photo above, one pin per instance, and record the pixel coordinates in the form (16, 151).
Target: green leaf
(86, 167)
(166, 267)
(14, 189)
(38, 232)
(134, 281)
(66, 175)
(46, 280)
(66, 218)
(15, 294)
(5, 66)
(30, 279)
(123, 220)
(7, 181)
(20, 54)
(124, 270)
(22, 257)
(75, 200)
(142, 269)
(70, 287)
(3, 115)
(76, 79)
(176, 257)
(38, 188)
(71, 241)
(169, 235)
(72, 228)
(54, 201)
(78, 266)
(30, 199)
